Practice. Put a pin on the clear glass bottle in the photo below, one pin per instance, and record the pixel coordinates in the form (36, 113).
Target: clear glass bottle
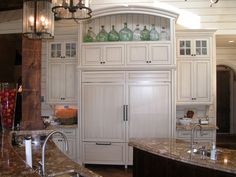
(145, 34)
(113, 35)
(136, 33)
(102, 36)
(125, 33)
(163, 34)
(90, 36)
(154, 35)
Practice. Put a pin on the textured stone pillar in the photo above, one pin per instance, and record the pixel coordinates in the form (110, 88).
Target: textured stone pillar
(31, 84)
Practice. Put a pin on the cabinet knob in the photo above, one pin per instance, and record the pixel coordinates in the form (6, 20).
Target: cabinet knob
(62, 98)
(147, 62)
(100, 62)
(63, 57)
(104, 62)
(150, 61)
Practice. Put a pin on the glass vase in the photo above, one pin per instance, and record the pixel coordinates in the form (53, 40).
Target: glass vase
(90, 36)
(125, 33)
(154, 35)
(102, 36)
(163, 34)
(136, 33)
(113, 35)
(145, 34)
(7, 105)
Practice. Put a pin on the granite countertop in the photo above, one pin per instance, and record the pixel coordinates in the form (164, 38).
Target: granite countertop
(189, 127)
(178, 150)
(12, 159)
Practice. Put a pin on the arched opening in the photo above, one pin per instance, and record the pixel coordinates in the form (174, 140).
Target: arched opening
(226, 116)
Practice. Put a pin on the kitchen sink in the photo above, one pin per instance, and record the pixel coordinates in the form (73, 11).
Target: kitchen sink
(69, 173)
(201, 151)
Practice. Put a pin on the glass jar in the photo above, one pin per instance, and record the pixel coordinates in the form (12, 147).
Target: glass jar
(145, 34)
(154, 35)
(90, 36)
(136, 33)
(126, 34)
(102, 36)
(113, 35)
(7, 105)
(163, 34)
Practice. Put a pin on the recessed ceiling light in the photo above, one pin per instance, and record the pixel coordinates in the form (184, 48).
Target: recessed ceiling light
(231, 41)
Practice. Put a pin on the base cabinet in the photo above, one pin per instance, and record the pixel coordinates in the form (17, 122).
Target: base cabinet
(72, 147)
(151, 165)
(203, 136)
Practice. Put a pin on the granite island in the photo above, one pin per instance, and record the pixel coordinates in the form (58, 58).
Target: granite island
(12, 158)
(168, 157)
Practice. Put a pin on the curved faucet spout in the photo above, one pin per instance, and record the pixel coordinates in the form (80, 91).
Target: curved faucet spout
(44, 148)
(192, 134)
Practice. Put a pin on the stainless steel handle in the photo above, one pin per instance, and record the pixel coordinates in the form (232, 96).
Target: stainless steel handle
(126, 112)
(103, 143)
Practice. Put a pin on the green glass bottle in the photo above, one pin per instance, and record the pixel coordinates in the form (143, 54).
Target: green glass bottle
(102, 36)
(126, 34)
(136, 33)
(113, 35)
(90, 36)
(145, 34)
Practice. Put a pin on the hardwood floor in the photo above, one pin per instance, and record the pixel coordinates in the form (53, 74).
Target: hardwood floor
(111, 170)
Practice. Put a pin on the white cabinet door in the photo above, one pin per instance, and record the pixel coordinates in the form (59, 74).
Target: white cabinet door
(102, 55)
(140, 54)
(102, 112)
(193, 47)
(62, 82)
(62, 50)
(194, 83)
(149, 111)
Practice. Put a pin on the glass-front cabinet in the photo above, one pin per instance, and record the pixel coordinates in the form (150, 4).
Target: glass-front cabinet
(193, 47)
(62, 50)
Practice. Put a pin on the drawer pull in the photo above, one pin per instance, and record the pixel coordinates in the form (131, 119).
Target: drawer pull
(104, 143)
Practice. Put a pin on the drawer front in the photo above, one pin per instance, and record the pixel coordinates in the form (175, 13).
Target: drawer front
(205, 134)
(104, 153)
(184, 134)
(68, 132)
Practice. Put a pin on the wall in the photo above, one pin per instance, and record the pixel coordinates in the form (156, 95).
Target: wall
(221, 16)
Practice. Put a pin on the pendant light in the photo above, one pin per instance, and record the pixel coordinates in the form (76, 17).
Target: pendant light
(38, 19)
(72, 9)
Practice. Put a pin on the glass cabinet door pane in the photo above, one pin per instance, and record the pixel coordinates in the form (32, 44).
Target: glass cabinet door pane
(55, 50)
(70, 49)
(188, 51)
(201, 47)
(188, 43)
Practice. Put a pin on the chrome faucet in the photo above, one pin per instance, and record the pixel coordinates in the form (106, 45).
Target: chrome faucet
(42, 162)
(192, 134)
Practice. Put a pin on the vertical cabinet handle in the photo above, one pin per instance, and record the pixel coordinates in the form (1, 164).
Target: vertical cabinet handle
(125, 112)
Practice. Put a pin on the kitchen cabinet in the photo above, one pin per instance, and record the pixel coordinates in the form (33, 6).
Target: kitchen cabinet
(207, 135)
(62, 82)
(62, 50)
(157, 53)
(119, 105)
(72, 147)
(193, 47)
(62, 79)
(193, 81)
(103, 55)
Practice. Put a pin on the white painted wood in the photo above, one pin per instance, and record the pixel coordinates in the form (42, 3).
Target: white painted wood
(102, 112)
(193, 81)
(153, 76)
(154, 53)
(102, 55)
(203, 136)
(104, 153)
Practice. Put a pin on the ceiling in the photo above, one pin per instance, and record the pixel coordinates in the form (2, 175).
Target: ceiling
(223, 40)
(11, 5)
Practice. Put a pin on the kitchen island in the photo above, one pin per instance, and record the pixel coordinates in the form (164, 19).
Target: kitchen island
(12, 158)
(168, 157)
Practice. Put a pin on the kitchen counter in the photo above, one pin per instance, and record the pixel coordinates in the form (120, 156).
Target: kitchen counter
(12, 159)
(176, 150)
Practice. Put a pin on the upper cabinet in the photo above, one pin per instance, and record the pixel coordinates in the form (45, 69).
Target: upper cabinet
(127, 40)
(193, 47)
(63, 50)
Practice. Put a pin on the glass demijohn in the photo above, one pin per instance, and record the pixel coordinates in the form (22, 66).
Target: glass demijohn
(90, 36)
(136, 33)
(126, 34)
(113, 35)
(154, 35)
(145, 34)
(102, 36)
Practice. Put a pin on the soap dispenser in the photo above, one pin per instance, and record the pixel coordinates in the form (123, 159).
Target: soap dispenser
(213, 151)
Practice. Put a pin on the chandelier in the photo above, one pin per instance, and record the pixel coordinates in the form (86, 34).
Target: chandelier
(38, 19)
(72, 9)
(212, 2)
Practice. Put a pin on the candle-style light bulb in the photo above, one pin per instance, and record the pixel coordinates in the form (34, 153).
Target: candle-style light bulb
(31, 20)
